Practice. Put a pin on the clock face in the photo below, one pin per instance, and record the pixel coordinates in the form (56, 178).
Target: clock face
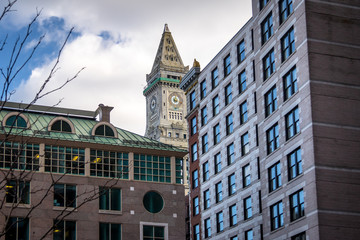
(175, 100)
(153, 103)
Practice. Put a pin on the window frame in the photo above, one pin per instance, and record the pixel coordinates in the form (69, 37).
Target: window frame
(227, 65)
(214, 78)
(270, 101)
(195, 179)
(248, 236)
(194, 152)
(246, 173)
(219, 222)
(276, 216)
(294, 162)
(207, 228)
(267, 28)
(207, 201)
(287, 43)
(217, 163)
(274, 173)
(263, 3)
(228, 94)
(64, 225)
(292, 123)
(232, 184)
(229, 124)
(287, 11)
(193, 126)
(203, 89)
(218, 191)
(19, 226)
(243, 112)
(204, 116)
(196, 206)
(247, 208)
(110, 230)
(233, 215)
(216, 105)
(272, 138)
(109, 197)
(192, 97)
(268, 64)
(67, 203)
(230, 152)
(217, 136)
(245, 144)
(205, 143)
(297, 208)
(290, 83)
(241, 54)
(242, 81)
(17, 192)
(206, 171)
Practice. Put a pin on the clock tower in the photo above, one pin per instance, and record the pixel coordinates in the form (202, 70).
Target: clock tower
(165, 101)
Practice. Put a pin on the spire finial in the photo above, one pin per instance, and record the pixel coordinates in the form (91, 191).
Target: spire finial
(196, 63)
(166, 28)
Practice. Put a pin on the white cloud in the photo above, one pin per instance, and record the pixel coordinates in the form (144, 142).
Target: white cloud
(115, 71)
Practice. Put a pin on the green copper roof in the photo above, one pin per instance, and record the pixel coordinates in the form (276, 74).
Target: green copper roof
(39, 123)
(158, 80)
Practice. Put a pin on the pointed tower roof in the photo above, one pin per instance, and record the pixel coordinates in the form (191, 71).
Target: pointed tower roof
(167, 54)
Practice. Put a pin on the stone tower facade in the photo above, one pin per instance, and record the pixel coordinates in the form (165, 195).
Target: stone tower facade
(165, 101)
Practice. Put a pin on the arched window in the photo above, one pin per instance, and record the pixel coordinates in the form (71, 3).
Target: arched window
(61, 126)
(104, 131)
(16, 121)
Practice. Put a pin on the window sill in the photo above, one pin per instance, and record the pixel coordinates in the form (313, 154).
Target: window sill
(283, 23)
(68, 209)
(295, 178)
(274, 191)
(18, 205)
(292, 137)
(297, 220)
(112, 212)
(268, 79)
(287, 100)
(278, 229)
(273, 152)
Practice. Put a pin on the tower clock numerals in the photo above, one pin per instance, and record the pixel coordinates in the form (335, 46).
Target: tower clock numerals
(153, 103)
(175, 100)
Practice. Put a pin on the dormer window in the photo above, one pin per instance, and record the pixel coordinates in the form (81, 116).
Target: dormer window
(104, 131)
(61, 126)
(16, 121)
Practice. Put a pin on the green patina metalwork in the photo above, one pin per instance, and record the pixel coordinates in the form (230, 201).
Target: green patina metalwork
(158, 80)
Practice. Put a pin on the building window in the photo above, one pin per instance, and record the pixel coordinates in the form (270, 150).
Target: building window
(203, 116)
(169, 134)
(290, 83)
(241, 51)
(266, 28)
(294, 163)
(17, 192)
(192, 100)
(231, 183)
(206, 199)
(206, 174)
(110, 199)
(300, 236)
(104, 131)
(205, 143)
(269, 64)
(110, 231)
(179, 172)
(215, 78)
(193, 126)
(246, 175)
(195, 179)
(64, 230)
(152, 168)
(64, 195)
(216, 105)
(19, 156)
(274, 177)
(217, 162)
(218, 190)
(216, 133)
(249, 235)
(286, 8)
(229, 124)
(234, 238)
(243, 113)
(153, 202)
(219, 222)
(203, 89)
(17, 229)
(196, 232)
(287, 44)
(64, 160)
(16, 121)
(230, 154)
(270, 101)
(292, 123)
(276, 216)
(297, 205)
(109, 164)
(196, 207)
(247, 208)
(245, 144)
(207, 225)
(242, 81)
(232, 215)
(194, 155)
(263, 3)
(228, 94)
(272, 138)
(227, 65)
(153, 232)
(61, 126)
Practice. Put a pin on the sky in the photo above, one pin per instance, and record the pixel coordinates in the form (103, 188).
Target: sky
(116, 42)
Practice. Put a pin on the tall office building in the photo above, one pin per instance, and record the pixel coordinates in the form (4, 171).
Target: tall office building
(74, 175)
(274, 123)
